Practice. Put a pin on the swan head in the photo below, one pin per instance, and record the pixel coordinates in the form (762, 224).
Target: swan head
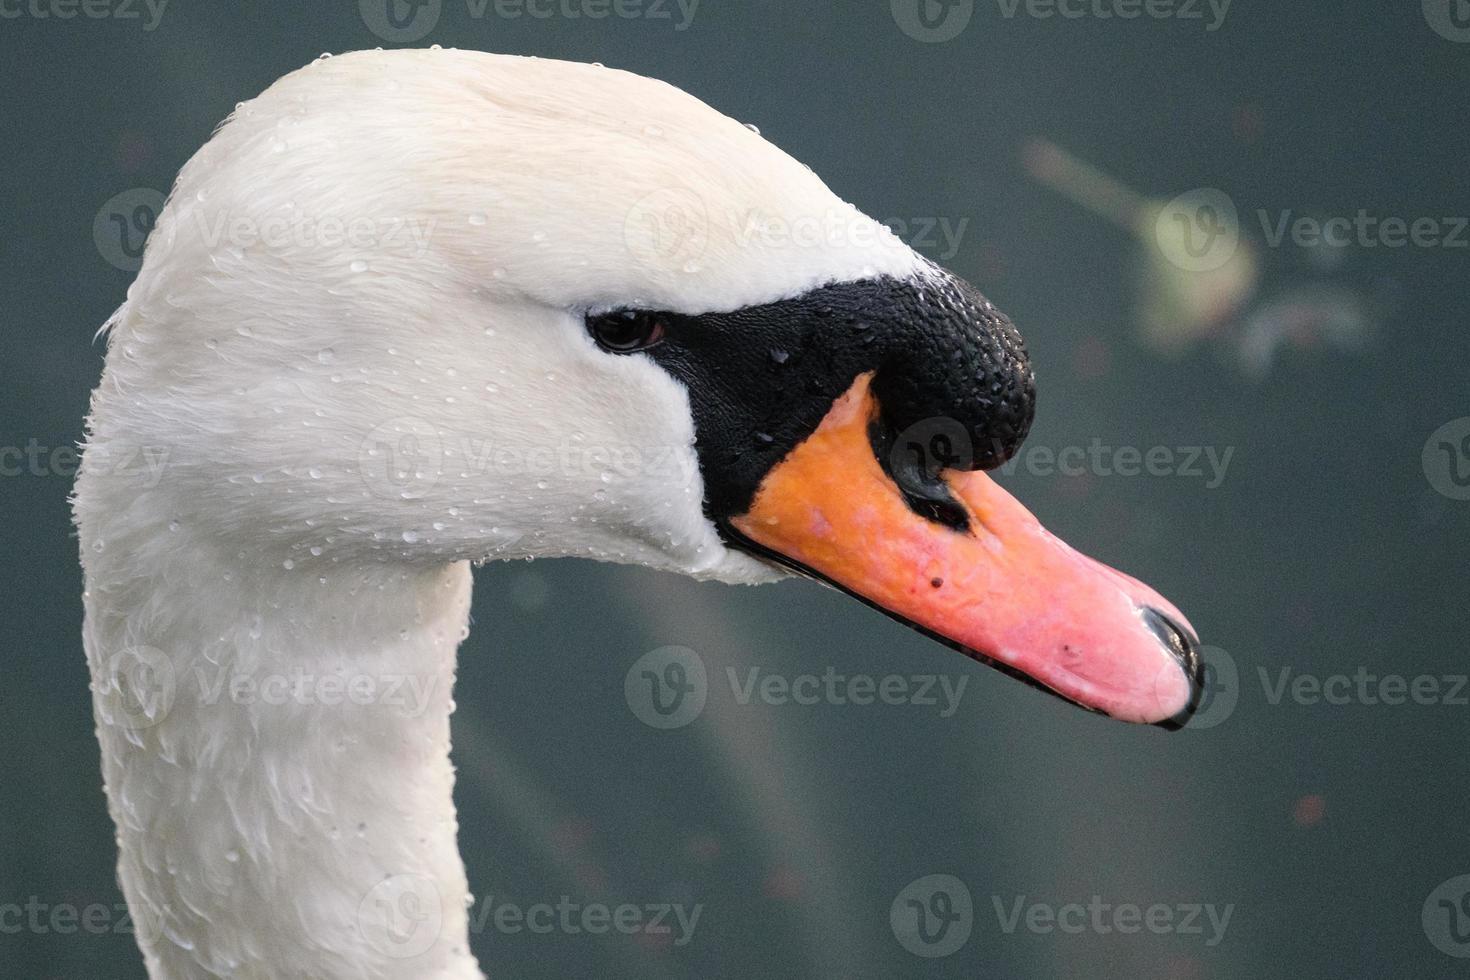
(429, 306)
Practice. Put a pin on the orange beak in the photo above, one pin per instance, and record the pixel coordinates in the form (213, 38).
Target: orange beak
(1002, 589)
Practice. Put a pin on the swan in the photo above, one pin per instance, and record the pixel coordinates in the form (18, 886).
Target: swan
(410, 310)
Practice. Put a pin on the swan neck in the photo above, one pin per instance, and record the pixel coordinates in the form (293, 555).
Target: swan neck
(275, 749)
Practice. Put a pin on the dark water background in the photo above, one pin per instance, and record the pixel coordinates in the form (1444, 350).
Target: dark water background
(1325, 549)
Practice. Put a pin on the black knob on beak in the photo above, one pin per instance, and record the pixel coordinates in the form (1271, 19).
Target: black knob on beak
(956, 356)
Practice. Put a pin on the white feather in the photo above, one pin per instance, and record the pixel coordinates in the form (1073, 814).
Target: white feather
(301, 437)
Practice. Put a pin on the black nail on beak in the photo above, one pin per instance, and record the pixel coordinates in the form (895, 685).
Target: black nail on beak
(1184, 647)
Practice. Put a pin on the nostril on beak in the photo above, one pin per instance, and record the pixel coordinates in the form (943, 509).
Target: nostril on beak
(1184, 647)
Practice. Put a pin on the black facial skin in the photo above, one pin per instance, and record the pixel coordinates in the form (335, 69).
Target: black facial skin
(952, 380)
(762, 378)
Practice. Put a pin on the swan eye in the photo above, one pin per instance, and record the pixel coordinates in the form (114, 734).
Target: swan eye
(625, 331)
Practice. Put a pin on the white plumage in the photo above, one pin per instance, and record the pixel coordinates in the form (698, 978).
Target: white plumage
(356, 351)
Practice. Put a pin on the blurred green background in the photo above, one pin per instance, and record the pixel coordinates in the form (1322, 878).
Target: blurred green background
(1333, 543)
